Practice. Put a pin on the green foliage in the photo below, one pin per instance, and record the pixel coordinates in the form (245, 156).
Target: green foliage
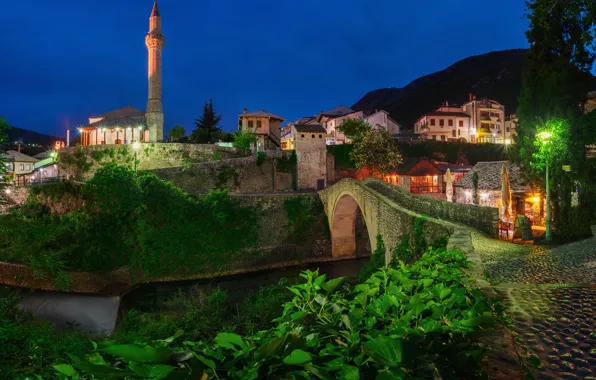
(377, 261)
(225, 175)
(551, 144)
(216, 155)
(300, 216)
(287, 164)
(341, 154)
(29, 346)
(130, 220)
(177, 132)
(416, 322)
(203, 313)
(377, 150)
(555, 87)
(354, 129)
(575, 225)
(245, 139)
(53, 190)
(260, 158)
(207, 126)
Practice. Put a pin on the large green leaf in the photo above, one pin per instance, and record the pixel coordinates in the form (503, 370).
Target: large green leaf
(445, 292)
(154, 372)
(272, 347)
(331, 285)
(100, 371)
(229, 340)
(208, 362)
(297, 357)
(384, 350)
(348, 372)
(67, 370)
(135, 353)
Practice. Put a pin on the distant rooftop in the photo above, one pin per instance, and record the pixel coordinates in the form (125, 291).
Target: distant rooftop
(122, 113)
(309, 128)
(489, 177)
(261, 113)
(13, 155)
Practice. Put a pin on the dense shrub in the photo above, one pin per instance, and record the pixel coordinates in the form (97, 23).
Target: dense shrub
(402, 322)
(29, 346)
(130, 220)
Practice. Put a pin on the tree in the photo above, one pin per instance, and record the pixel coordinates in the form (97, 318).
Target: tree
(377, 150)
(3, 157)
(177, 132)
(244, 139)
(354, 128)
(555, 85)
(207, 126)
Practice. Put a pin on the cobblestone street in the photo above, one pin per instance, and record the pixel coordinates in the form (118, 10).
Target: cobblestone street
(551, 297)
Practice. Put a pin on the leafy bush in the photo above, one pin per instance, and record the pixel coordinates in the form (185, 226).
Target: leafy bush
(244, 139)
(130, 220)
(260, 158)
(416, 321)
(29, 346)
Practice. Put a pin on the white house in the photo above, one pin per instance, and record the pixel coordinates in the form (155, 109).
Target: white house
(381, 119)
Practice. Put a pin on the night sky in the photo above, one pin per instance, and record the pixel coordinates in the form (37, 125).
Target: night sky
(65, 60)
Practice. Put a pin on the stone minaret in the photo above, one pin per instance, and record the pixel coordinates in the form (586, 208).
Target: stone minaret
(155, 42)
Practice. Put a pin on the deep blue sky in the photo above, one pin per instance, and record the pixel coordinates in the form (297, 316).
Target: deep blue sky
(65, 60)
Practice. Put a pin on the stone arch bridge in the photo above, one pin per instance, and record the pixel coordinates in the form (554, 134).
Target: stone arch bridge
(390, 212)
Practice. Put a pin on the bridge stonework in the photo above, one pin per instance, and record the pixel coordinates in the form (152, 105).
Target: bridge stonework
(382, 216)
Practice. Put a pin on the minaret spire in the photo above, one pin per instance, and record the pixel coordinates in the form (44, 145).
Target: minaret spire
(155, 42)
(155, 11)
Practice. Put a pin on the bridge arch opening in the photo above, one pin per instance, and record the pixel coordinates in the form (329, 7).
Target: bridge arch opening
(349, 233)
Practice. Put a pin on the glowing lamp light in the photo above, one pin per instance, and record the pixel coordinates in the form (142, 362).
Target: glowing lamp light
(7, 191)
(484, 196)
(545, 135)
(136, 145)
(53, 154)
(536, 199)
(468, 194)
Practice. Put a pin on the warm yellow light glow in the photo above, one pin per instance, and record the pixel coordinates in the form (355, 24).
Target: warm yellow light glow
(484, 196)
(7, 191)
(468, 193)
(136, 145)
(507, 141)
(536, 199)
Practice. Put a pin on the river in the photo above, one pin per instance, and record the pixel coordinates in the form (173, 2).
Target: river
(100, 314)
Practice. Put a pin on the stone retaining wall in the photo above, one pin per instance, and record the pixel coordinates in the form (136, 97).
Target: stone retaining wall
(81, 162)
(238, 175)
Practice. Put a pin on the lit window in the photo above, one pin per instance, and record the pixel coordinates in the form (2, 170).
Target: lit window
(424, 184)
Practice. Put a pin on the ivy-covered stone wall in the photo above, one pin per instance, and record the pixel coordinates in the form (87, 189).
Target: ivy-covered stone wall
(81, 162)
(237, 175)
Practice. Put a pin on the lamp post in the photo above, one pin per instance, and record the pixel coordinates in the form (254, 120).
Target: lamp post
(136, 146)
(545, 138)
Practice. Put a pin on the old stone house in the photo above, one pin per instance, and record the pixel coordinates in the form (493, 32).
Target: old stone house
(266, 125)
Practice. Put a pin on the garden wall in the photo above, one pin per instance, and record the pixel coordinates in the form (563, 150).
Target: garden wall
(485, 219)
(238, 175)
(81, 162)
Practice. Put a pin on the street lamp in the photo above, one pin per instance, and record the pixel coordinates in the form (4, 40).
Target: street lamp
(136, 146)
(545, 138)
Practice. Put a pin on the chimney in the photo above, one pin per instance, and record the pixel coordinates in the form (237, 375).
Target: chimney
(471, 96)
(245, 110)
(19, 148)
(446, 103)
(68, 137)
